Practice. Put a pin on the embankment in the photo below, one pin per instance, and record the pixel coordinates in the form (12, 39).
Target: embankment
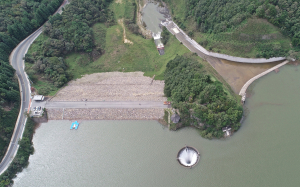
(110, 86)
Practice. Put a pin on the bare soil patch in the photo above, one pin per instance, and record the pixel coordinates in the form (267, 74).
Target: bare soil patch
(120, 21)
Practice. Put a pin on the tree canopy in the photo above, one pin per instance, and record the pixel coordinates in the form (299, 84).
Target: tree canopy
(201, 102)
(18, 18)
(65, 33)
(218, 16)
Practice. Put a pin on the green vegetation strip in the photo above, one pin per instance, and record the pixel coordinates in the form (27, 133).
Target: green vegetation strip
(21, 159)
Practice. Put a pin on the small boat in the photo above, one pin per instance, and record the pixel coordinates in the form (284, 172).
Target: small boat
(74, 125)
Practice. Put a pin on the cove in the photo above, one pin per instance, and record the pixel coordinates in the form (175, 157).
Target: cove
(152, 17)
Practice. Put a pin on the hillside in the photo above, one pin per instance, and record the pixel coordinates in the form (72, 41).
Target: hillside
(105, 49)
(241, 28)
(18, 20)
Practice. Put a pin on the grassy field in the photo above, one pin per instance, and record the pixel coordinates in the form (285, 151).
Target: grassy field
(243, 40)
(142, 55)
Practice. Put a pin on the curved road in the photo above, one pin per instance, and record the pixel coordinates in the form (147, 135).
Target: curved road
(16, 60)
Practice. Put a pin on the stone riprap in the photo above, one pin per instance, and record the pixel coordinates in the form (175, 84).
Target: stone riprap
(110, 86)
(113, 86)
(106, 114)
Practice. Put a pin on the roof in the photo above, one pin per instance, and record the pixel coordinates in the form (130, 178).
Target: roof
(175, 118)
(226, 128)
(38, 97)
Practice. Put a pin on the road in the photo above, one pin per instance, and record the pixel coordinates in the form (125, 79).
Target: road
(193, 46)
(103, 104)
(16, 60)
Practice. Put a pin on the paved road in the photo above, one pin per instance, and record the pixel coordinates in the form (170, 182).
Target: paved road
(192, 43)
(16, 60)
(105, 104)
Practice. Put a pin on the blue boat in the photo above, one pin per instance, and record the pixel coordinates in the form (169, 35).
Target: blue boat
(74, 125)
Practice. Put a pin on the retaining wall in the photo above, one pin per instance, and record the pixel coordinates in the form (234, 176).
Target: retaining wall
(244, 88)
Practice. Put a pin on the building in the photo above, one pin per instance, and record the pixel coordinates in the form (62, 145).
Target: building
(227, 131)
(159, 45)
(38, 98)
(175, 118)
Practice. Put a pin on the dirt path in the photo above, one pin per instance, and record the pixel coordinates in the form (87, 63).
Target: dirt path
(121, 22)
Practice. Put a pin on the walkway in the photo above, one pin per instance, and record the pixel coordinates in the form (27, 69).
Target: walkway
(244, 88)
(101, 104)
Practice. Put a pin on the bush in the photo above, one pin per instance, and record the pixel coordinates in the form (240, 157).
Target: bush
(165, 35)
(45, 90)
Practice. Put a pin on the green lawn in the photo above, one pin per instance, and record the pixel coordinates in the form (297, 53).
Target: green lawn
(243, 41)
(142, 55)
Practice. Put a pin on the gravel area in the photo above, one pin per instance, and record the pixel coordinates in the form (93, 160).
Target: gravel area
(113, 86)
(105, 114)
(110, 86)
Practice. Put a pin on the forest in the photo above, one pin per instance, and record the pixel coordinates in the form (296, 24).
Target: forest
(69, 32)
(21, 159)
(201, 102)
(224, 16)
(19, 18)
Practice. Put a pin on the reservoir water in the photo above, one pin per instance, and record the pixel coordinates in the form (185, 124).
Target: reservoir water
(152, 17)
(264, 152)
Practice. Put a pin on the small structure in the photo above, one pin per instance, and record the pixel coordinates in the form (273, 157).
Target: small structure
(175, 118)
(38, 98)
(244, 98)
(227, 131)
(176, 30)
(74, 125)
(37, 111)
(159, 45)
(188, 156)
